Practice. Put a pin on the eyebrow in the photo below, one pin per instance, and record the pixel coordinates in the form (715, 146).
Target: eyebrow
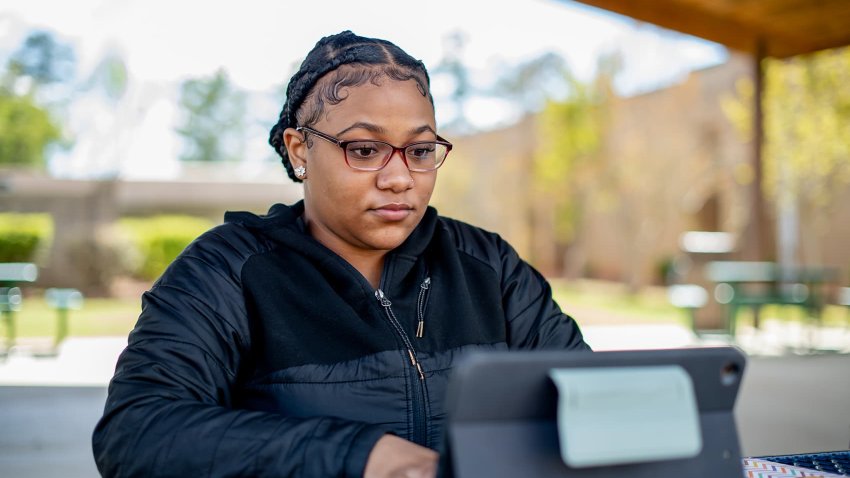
(380, 130)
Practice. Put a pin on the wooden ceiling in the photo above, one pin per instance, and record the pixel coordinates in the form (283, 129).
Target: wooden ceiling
(785, 27)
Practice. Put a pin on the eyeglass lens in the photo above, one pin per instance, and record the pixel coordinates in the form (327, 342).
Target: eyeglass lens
(424, 156)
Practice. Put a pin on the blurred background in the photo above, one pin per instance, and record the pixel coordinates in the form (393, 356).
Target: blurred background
(679, 170)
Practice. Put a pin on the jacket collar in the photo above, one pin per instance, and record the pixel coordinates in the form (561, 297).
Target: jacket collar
(284, 224)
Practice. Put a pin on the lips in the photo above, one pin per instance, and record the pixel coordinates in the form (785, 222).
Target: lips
(393, 211)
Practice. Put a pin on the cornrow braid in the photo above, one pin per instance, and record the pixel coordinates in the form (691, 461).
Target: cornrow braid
(337, 62)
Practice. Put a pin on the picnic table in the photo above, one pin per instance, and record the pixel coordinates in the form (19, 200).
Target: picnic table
(741, 284)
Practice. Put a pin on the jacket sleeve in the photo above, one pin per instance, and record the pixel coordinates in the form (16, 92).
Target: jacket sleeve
(534, 319)
(168, 411)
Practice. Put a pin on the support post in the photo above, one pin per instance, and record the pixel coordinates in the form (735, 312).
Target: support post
(758, 242)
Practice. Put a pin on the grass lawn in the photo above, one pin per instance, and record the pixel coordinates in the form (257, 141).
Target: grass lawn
(605, 303)
(97, 317)
(597, 303)
(588, 302)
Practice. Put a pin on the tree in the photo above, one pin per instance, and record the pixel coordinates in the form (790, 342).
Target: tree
(110, 77)
(453, 67)
(534, 83)
(26, 131)
(567, 168)
(806, 153)
(27, 127)
(214, 119)
(43, 59)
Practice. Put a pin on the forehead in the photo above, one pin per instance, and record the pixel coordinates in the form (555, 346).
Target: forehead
(387, 103)
(335, 87)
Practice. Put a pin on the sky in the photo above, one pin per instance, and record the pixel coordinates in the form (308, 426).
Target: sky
(259, 43)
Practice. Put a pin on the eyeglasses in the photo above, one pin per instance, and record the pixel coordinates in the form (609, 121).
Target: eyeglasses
(373, 155)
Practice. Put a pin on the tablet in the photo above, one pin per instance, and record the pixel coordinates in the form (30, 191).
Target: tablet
(503, 413)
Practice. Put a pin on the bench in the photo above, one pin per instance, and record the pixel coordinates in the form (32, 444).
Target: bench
(12, 274)
(63, 301)
(10, 302)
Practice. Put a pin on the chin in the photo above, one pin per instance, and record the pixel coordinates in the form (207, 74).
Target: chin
(388, 240)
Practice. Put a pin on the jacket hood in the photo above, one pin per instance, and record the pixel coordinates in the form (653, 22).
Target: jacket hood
(284, 224)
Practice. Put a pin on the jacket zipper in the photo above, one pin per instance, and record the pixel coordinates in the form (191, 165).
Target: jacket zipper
(420, 398)
(420, 307)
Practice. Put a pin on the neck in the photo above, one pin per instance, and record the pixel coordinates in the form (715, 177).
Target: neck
(369, 265)
(368, 262)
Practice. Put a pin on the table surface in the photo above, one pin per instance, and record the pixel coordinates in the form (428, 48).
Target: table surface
(744, 271)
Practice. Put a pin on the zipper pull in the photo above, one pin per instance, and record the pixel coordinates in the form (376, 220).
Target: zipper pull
(416, 364)
(379, 294)
(420, 328)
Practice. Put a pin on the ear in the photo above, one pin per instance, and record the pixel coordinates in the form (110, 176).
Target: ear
(296, 146)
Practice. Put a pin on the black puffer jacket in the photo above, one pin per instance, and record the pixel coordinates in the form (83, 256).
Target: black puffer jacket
(261, 353)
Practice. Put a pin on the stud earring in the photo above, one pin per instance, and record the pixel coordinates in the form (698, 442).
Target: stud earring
(300, 171)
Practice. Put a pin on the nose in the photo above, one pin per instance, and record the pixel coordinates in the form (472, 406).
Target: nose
(395, 176)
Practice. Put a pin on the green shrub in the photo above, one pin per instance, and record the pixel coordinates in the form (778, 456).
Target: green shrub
(160, 239)
(24, 236)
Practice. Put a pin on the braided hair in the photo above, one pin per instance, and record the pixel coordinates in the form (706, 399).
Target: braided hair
(336, 62)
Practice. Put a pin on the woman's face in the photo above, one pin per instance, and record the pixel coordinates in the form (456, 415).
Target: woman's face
(351, 211)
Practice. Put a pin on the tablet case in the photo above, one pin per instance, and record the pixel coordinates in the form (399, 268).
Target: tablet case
(502, 414)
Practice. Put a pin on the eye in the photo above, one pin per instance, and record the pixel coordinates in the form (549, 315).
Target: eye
(421, 151)
(363, 150)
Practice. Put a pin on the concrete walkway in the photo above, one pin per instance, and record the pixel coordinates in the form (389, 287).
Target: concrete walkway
(788, 403)
(81, 361)
(45, 431)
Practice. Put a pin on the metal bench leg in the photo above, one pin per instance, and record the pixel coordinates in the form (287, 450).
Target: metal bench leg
(756, 316)
(731, 319)
(9, 318)
(692, 314)
(61, 327)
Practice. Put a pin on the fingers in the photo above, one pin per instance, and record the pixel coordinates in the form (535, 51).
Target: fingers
(394, 457)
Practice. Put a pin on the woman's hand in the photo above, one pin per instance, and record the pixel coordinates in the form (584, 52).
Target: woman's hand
(394, 457)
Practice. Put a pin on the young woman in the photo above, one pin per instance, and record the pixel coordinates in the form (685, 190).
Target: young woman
(317, 340)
